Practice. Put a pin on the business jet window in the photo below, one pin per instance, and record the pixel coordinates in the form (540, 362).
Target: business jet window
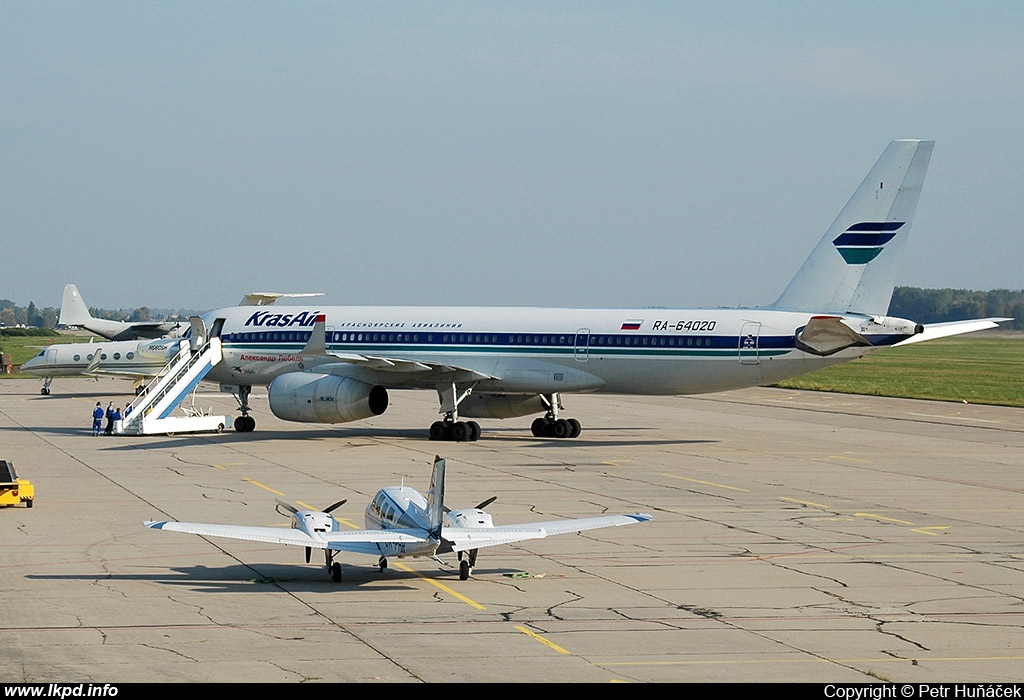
(117, 356)
(130, 356)
(103, 355)
(77, 358)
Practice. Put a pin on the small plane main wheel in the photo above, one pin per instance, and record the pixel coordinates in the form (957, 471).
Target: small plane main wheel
(336, 572)
(383, 564)
(463, 570)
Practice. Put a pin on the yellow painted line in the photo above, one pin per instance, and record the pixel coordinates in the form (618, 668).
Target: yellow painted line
(263, 486)
(748, 662)
(541, 639)
(706, 483)
(440, 585)
(229, 464)
(617, 462)
(803, 503)
(928, 530)
(882, 517)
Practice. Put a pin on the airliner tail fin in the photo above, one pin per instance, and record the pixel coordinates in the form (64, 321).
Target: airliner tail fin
(853, 268)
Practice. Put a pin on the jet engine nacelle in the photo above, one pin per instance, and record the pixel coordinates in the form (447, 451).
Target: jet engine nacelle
(308, 397)
(501, 405)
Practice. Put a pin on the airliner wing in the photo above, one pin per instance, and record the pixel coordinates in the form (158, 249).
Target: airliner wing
(465, 538)
(396, 364)
(942, 330)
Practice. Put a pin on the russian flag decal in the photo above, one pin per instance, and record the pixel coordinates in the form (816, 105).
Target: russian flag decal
(632, 324)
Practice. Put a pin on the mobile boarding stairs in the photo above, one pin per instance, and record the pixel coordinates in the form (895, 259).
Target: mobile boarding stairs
(150, 412)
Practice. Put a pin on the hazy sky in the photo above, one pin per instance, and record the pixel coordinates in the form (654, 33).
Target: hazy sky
(611, 154)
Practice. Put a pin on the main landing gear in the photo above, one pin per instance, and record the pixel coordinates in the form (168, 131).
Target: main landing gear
(450, 428)
(246, 424)
(466, 565)
(553, 426)
(455, 430)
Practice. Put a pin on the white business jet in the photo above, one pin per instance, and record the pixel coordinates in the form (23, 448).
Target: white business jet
(508, 362)
(401, 522)
(137, 360)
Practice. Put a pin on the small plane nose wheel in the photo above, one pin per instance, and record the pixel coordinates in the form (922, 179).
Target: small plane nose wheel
(463, 570)
(336, 572)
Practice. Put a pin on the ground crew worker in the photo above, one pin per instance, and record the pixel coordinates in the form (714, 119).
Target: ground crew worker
(97, 419)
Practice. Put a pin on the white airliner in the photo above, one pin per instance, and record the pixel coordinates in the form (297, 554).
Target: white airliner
(401, 522)
(508, 362)
(74, 312)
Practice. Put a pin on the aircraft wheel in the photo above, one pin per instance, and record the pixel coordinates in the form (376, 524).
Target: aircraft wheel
(575, 428)
(474, 430)
(383, 564)
(463, 570)
(539, 427)
(220, 427)
(44, 391)
(560, 428)
(459, 431)
(437, 430)
(336, 572)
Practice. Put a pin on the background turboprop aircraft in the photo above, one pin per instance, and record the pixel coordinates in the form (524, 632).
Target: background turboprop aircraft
(74, 312)
(401, 522)
(335, 364)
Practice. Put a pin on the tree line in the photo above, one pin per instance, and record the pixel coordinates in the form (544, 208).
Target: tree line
(916, 304)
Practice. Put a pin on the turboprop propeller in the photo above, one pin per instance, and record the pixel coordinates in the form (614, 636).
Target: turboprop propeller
(292, 510)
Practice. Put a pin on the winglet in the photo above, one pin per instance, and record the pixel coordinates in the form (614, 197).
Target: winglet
(435, 497)
(317, 343)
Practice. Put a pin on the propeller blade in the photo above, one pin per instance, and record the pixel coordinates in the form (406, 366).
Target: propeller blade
(480, 506)
(287, 506)
(331, 507)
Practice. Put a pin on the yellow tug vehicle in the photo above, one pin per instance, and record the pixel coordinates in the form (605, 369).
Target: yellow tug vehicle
(12, 489)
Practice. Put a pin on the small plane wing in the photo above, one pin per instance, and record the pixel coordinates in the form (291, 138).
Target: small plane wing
(943, 330)
(275, 535)
(465, 538)
(360, 541)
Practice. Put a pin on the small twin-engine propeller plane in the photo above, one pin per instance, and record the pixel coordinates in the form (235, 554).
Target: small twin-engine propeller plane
(401, 523)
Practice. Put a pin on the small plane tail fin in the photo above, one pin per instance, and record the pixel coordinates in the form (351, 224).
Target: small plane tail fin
(435, 497)
(73, 311)
(853, 268)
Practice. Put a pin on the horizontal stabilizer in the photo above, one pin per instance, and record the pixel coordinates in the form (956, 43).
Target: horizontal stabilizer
(943, 330)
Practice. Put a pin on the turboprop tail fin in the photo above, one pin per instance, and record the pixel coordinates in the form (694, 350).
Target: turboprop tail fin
(853, 268)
